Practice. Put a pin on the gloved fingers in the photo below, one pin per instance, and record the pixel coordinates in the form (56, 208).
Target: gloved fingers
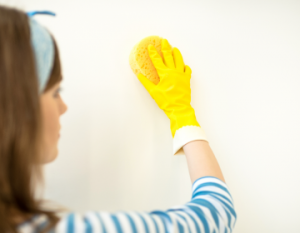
(146, 82)
(178, 60)
(187, 70)
(156, 60)
(167, 52)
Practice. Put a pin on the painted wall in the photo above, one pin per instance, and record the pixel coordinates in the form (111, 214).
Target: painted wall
(116, 144)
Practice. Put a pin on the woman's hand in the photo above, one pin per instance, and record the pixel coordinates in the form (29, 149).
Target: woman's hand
(173, 93)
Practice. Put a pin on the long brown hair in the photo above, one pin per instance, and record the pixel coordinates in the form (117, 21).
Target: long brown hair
(20, 121)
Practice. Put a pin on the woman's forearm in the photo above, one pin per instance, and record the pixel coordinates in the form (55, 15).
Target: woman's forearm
(201, 160)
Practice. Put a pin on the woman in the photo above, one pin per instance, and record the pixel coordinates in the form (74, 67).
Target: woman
(30, 107)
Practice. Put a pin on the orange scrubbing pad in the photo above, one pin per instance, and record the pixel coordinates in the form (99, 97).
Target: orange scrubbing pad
(140, 61)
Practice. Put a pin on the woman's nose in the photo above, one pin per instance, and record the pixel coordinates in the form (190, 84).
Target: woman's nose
(64, 107)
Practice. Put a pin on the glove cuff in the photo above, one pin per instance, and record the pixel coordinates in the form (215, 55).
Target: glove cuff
(182, 117)
(187, 134)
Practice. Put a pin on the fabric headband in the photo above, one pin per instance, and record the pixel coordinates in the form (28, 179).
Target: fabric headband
(43, 48)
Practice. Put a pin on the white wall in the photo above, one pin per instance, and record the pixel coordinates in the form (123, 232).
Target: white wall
(116, 144)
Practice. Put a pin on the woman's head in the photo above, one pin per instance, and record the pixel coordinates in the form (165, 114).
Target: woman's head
(29, 120)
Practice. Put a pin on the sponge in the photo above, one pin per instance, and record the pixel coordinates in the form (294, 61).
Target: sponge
(140, 61)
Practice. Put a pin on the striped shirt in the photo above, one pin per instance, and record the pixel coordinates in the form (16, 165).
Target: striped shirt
(210, 210)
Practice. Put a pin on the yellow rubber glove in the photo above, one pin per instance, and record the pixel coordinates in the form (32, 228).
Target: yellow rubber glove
(173, 93)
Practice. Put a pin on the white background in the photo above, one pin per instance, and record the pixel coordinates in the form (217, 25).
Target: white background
(115, 151)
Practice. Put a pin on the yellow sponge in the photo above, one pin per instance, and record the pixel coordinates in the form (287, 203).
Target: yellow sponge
(140, 61)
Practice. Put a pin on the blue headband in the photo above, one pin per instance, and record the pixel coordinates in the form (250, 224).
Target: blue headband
(43, 48)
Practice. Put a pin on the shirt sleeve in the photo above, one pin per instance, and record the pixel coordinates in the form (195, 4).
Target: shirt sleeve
(210, 210)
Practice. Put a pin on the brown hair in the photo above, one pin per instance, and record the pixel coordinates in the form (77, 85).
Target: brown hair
(20, 121)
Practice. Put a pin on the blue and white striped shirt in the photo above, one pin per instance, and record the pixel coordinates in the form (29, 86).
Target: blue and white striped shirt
(210, 210)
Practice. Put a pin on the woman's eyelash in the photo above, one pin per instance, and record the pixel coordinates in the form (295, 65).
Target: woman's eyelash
(59, 90)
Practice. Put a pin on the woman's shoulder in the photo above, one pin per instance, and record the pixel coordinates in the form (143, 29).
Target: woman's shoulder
(39, 221)
(95, 221)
